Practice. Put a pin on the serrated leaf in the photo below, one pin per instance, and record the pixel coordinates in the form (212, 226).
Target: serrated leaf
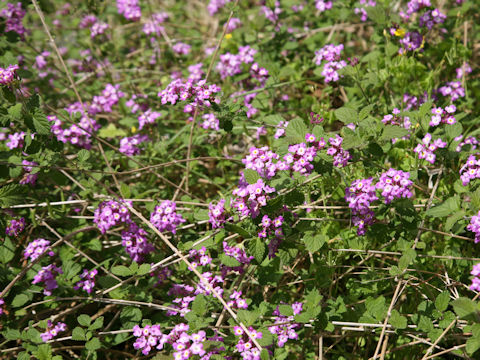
(125, 190)
(442, 300)
(393, 132)
(228, 260)
(121, 270)
(247, 317)
(347, 115)
(15, 111)
(20, 300)
(40, 122)
(454, 219)
(11, 194)
(398, 321)
(257, 249)
(251, 176)
(450, 206)
(296, 130)
(314, 242)
(78, 334)
(43, 352)
(7, 251)
(97, 324)
(143, 269)
(464, 307)
(111, 131)
(238, 230)
(285, 310)
(93, 344)
(199, 305)
(83, 155)
(84, 320)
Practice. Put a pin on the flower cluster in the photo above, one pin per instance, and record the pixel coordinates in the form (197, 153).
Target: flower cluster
(469, 140)
(340, 155)
(236, 301)
(198, 93)
(331, 54)
(98, 29)
(148, 117)
(216, 214)
(281, 128)
(300, 156)
(395, 185)
(272, 227)
(136, 106)
(28, 178)
(181, 48)
(129, 145)
(249, 199)
(234, 23)
(262, 161)
(470, 171)
(359, 195)
(210, 121)
(245, 346)
(165, 218)
(8, 75)
(272, 15)
(443, 115)
(230, 64)
(426, 149)
(475, 286)
(152, 25)
(431, 18)
(74, 134)
(214, 282)
(474, 226)
(15, 140)
(259, 73)
(453, 89)
(149, 336)
(52, 331)
(130, 9)
(199, 257)
(323, 5)
(88, 280)
(2, 303)
(412, 41)
(47, 275)
(15, 227)
(215, 5)
(237, 253)
(414, 102)
(463, 70)
(13, 15)
(36, 248)
(394, 119)
(414, 6)
(110, 213)
(134, 239)
(286, 331)
(104, 102)
(196, 72)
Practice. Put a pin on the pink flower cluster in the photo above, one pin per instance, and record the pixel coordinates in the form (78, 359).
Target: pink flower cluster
(16, 140)
(463, 70)
(286, 331)
(210, 121)
(395, 184)
(152, 25)
(470, 171)
(443, 115)
(15, 227)
(47, 275)
(13, 15)
(249, 199)
(262, 161)
(340, 155)
(2, 303)
(426, 150)
(104, 102)
(8, 75)
(272, 14)
(245, 346)
(469, 140)
(414, 6)
(272, 227)
(236, 301)
(52, 331)
(148, 117)
(281, 128)
(453, 89)
(199, 257)
(230, 64)
(361, 10)
(474, 226)
(198, 93)
(181, 48)
(359, 195)
(412, 41)
(323, 5)
(28, 178)
(165, 218)
(215, 5)
(431, 18)
(300, 156)
(216, 214)
(237, 253)
(331, 54)
(36, 248)
(98, 29)
(475, 286)
(74, 134)
(130, 9)
(394, 119)
(88, 280)
(135, 241)
(110, 213)
(129, 145)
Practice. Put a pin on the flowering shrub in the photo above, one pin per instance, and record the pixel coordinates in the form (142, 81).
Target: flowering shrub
(239, 179)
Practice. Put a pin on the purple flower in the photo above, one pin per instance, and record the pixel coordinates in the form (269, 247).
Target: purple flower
(474, 226)
(216, 214)
(130, 9)
(426, 149)
(110, 213)
(103, 103)
(15, 227)
(36, 248)
(394, 185)
(210, 121)
(359, 195)
(452, 89)
(13, 15)
(88, 280)
(471, 170)
(475, 286)
(135, 241)
(165, 218)
(340, 156)
(152, 26)
(411, 42)
(53, 331)
(8, 75)
(323, 5)
(251, 198)
(181, 48)
(129, 145)
(97, 29)
(47, 275)
(285, 332)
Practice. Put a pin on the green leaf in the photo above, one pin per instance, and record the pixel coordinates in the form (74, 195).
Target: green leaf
(285, 310)
(264, 355)
(442, 300)
(40, 122)
(238, 230)
(393, 132)
(11, 194)
(407, 258)
(257, 249)
(450, 206)
(93, 344)
(84, 320)
(247, 317)
(251, 176)
(125, 190)
(15, 111)
(473, 344)
(97, 324)
(43, 352)
(296, 131)
(314, 242)
(78, 334)
(83, 155)
(121, 270)
(398, 321)
(7, 251)
(453, 131)
(20, 300)
(111, 131)
(464, 307)
(199, 305)
(228, 260)
(143, 269)
(347, 115)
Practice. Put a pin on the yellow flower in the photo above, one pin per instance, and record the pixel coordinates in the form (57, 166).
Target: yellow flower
(228, 36)
(400, 32)
(133, 129)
